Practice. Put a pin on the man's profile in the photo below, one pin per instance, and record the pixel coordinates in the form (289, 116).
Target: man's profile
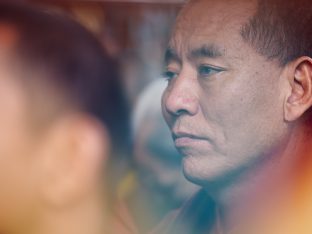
(238, 105)
(63, 116)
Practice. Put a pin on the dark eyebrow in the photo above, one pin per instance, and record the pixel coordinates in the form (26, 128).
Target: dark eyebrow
(206, 51)
(171, 55)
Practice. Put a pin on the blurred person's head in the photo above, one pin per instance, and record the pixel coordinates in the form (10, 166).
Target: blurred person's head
(62, 115)
(157, 161)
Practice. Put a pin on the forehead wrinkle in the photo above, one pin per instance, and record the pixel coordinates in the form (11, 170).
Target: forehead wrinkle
(195, 28)
(176, 48)
(206, 51)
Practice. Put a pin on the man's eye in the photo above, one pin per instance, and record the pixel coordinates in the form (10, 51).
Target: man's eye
(169, 75)
(206, 70)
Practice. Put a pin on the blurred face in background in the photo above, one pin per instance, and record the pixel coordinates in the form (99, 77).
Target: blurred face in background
(49, 163)
(224, 101)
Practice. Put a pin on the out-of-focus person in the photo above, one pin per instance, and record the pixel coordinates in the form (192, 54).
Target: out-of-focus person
(161, 185)
(63, 119)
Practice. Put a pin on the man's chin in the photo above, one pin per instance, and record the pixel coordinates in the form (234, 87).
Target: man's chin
(203, 171)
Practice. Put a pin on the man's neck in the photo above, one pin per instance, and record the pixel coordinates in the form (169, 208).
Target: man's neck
(271, 188)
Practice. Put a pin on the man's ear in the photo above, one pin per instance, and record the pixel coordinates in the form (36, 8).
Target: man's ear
(73, 159)
(299, 100)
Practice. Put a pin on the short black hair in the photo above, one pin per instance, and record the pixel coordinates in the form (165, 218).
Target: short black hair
(76, 62)
(281, 29)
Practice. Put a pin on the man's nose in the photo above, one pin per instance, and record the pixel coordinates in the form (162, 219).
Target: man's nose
(181, 97)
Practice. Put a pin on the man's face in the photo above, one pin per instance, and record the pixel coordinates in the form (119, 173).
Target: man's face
(224, 101)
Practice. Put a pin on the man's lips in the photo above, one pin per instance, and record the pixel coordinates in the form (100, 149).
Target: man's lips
(184, 139)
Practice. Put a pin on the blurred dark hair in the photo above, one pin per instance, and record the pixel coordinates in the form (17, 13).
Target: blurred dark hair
(76, 62)
(281, 29)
